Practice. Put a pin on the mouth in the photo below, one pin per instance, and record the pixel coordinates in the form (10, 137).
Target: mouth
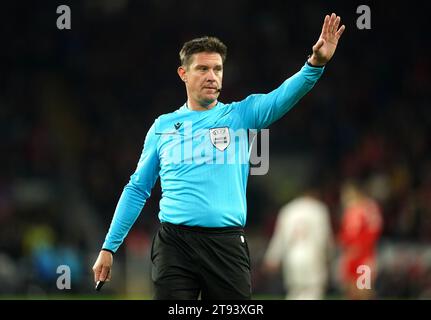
(211, 88)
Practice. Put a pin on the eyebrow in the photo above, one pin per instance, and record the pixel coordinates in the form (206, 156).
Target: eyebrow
(207, 66)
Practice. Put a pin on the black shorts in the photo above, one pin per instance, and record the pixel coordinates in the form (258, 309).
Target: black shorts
(212, 262)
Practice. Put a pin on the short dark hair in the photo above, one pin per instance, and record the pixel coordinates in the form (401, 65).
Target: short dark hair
(204, 44)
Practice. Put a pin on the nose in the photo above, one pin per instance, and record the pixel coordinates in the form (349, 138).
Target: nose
(211, 75)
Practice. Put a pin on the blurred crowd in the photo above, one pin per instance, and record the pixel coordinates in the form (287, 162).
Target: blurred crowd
(75, 106)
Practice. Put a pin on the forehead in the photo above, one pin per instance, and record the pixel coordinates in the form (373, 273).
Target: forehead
(206, 58)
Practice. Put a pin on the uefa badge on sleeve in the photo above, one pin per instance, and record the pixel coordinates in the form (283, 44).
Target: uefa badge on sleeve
(220, 138)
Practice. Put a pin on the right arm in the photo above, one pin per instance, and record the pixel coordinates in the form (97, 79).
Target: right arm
(130, 204)
(135, 193)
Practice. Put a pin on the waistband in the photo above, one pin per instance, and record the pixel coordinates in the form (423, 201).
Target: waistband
(219, 230)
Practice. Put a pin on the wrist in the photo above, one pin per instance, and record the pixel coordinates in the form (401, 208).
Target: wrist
(314, 62)
(107, 250)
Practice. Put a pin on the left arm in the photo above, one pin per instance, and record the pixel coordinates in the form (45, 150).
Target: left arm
(260, 110)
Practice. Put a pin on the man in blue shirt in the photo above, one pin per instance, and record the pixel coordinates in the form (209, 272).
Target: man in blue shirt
(200, 153)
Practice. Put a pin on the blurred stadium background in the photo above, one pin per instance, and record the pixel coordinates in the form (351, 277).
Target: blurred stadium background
(75, 106)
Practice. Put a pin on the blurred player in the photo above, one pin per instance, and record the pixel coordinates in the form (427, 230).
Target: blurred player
(361, 227)
(200, 248)
(302, 244)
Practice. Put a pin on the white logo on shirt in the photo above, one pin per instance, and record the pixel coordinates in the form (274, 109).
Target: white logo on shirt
(220, 138)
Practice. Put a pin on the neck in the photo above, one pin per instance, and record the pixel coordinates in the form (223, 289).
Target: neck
(195, 106)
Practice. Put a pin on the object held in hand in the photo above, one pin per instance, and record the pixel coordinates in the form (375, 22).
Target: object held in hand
(99, 285)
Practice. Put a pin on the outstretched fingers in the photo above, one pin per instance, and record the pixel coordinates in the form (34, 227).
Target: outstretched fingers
(340, 31)
(325, 27)
(332, 23)
(336, 24)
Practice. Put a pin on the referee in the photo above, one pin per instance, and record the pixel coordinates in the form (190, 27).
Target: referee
(201, 248)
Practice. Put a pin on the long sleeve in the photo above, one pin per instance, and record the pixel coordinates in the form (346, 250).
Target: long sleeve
(258, 111)
(135, 193)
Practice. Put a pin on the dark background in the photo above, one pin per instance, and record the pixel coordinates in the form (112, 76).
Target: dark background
(75, 106)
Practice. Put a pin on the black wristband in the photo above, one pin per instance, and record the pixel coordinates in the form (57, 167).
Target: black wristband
(103, 249)
(313, 65)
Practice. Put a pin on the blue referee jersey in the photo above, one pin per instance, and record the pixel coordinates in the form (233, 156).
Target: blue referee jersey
(201, 158)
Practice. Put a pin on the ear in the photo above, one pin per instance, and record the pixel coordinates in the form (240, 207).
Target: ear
(182, 73)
